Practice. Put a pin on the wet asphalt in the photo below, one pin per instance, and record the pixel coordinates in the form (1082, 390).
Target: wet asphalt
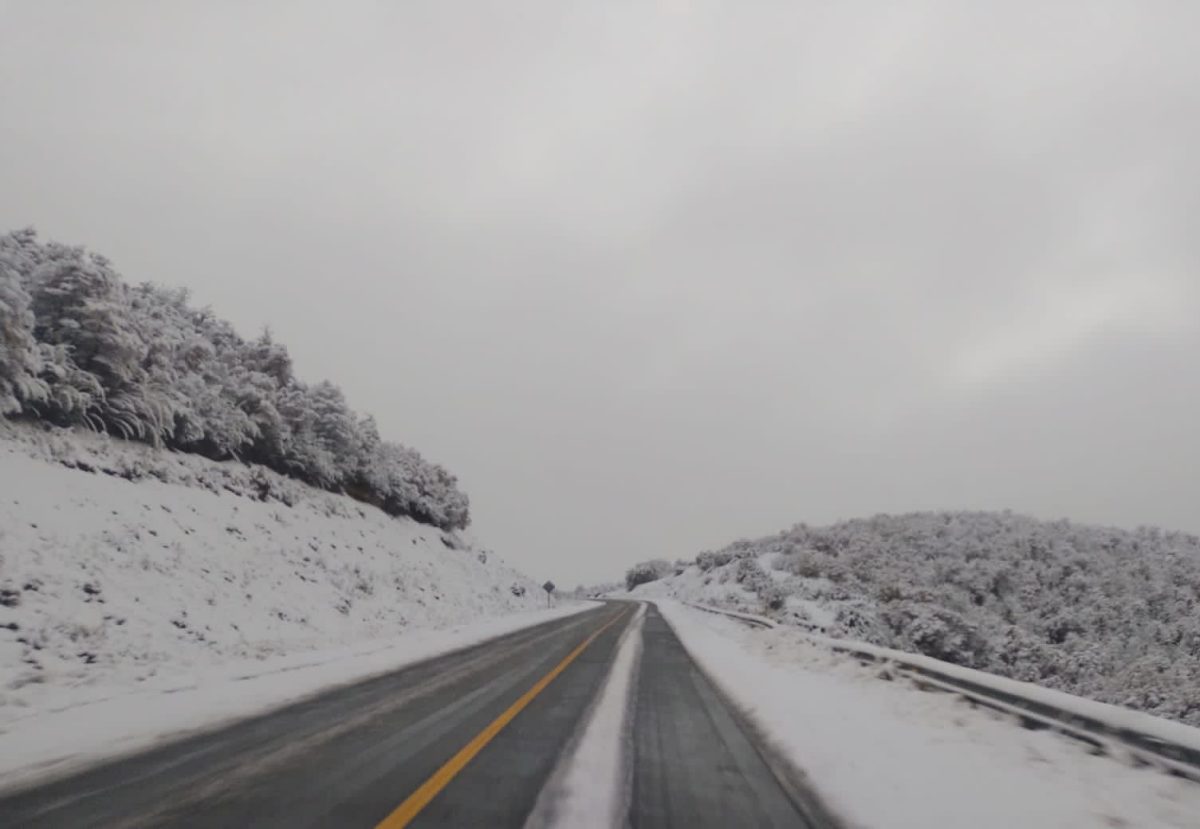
(349, 756)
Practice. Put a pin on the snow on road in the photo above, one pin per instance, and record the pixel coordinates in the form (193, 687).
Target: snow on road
(886, 755)
(590, 789)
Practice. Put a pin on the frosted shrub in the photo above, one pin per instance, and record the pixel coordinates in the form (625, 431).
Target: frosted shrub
(750, 574)
(804, 563)
(709, 559)
(646, 571)
(20, 362)
(773, 596)
(939, 633)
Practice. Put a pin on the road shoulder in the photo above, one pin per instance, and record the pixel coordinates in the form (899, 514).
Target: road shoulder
(59, 742)
(885, 754)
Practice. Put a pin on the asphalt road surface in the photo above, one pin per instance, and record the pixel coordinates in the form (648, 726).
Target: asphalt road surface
(468, 739)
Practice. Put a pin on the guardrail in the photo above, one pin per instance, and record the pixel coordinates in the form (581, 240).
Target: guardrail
(1106, 729)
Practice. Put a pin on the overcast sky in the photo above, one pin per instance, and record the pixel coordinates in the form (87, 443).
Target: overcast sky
(649, 277)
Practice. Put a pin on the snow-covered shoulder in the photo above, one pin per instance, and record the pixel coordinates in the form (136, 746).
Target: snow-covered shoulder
(52, 741)
(127, 572)
(884, 754)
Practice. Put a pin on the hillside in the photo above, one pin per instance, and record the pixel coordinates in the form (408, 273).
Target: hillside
(80, 347)
(120, 563)
(1104, 613)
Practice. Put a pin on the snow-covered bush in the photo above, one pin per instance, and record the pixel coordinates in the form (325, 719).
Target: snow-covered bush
(19, 353)
(710, 559)
(592, 591)
(645, 572)
(750, 574)
(79, 347)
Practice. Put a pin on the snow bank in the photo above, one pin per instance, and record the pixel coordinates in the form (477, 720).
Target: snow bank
(1112, 716)
(138, 570)
(884, 754)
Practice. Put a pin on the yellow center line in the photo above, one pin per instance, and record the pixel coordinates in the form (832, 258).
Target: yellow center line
(418, 800)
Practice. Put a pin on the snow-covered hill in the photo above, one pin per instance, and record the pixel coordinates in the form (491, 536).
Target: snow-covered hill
(1104, 613)
(119, 563)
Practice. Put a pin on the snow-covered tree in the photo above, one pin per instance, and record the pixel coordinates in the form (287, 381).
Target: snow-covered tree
(20, 360)
(335, 427)
(78, 346)
(305, 453)
(81, 307)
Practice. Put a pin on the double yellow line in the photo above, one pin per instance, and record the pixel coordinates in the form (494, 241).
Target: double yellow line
(418, 800)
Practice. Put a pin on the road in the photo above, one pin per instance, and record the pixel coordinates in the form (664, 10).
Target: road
(466, 739)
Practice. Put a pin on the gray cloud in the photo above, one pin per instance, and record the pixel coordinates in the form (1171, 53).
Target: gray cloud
(652, 277)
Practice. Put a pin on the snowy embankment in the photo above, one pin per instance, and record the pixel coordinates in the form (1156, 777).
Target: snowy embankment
(143, 592)
(884, 754)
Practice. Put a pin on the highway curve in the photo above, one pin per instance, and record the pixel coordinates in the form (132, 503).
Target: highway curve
(468, 739)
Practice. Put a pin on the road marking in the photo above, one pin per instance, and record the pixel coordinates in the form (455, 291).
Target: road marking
(418, 800)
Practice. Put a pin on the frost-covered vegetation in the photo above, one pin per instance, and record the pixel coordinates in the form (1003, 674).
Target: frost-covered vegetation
(596, 591)
(1104, 613)
(80, 347)
(646, 572)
